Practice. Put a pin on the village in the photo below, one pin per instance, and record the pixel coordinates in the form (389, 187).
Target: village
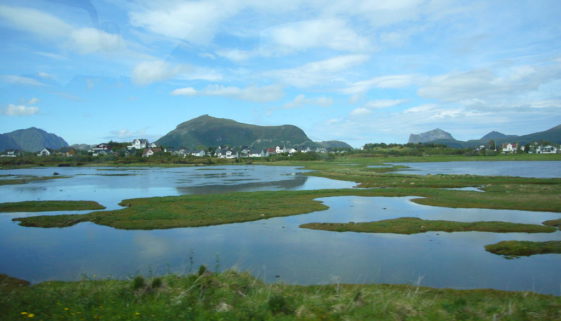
(142, 147)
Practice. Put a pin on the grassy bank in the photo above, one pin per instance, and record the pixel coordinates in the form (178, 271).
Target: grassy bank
(214, 209)
(513, 249)
(26, 179)
(412, 225)
(239, 296)
(44, 206)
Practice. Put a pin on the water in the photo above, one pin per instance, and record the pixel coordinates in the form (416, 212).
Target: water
(272, 249)
(540, 169)
(109, 186)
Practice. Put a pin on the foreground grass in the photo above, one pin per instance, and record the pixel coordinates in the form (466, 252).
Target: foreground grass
(512, 249)
(44, 206)
(235, 296)
(412, 225)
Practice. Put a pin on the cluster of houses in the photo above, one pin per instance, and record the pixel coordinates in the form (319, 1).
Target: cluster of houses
(533, 148)
(245, 152)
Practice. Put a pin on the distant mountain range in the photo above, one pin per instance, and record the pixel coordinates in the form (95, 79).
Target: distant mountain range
(207, 131)
(30, 140)
(438, 136)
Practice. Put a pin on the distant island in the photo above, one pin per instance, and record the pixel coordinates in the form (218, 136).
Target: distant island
(439, 136)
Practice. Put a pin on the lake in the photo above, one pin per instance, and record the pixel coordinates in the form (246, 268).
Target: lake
(540, 169)
(273, 249)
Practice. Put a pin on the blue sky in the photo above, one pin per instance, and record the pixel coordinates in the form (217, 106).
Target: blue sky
(357, 71)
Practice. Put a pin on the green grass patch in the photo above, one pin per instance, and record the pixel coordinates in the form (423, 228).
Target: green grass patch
(28, 179)
(214, 209)
(512, 249)
(412, 225)
(44, 206)
(236, 296)
(556, 223)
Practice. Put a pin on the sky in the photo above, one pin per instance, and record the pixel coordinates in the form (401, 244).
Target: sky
(362, 72)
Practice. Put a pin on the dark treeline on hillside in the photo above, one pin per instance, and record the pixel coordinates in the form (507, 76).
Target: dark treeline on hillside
(419, 149)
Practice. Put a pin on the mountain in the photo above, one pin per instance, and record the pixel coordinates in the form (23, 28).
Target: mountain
(31, 140)
(209, 131)
(552, 135)
(334, 144)
(430, 136)
(6, 142)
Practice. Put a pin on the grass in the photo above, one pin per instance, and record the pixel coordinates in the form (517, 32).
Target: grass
(412, 225)
(27, 179)
(556, 223)
(214, 209)
(513, 249)
(233, 295)
(44, 206)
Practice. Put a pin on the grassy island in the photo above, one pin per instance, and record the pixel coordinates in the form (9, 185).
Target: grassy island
(45, 206)
(412, 225)
(235, 296)
(512, 249)
(23, 179)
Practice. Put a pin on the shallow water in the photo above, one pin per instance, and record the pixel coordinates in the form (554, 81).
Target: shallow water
(273, 249)
(109, 186)
(540, 169)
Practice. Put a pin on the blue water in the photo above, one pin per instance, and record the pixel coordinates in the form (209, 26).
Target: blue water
(272, 249)
(540, 169)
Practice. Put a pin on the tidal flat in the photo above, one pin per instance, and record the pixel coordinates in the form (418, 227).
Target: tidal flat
(242, 215)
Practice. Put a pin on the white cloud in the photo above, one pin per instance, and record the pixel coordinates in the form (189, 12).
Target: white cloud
(51, 55)
(34, 21)
(20, 80)
(301, 100)
(33, 101)
(20, 110)
(383, 103)
(255, 94)
(90, 40)
(148, 72)
(235, 54)
(45, 75)
(187, 91)
(196, 22)
(318, 33)
(360, 111)
(319, 72)
(384, 82)
(483, 88)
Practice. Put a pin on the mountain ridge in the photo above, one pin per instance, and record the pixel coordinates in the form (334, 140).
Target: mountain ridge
(552, 135)
(210, 131)
(31, 139)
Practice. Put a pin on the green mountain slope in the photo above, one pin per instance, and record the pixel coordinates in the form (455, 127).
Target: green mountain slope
(33, 140)
(211, 132)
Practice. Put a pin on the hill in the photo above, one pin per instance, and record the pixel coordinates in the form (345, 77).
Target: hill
(334, 144)
(552, 135)
(31, 140)
(430, 136)
(209, 131)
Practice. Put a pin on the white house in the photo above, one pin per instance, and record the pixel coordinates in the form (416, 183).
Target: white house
(44, 152)
(509, 148)
(200, 153)
(546, 150)
(9, 153)
(139, 144)
(147, 152)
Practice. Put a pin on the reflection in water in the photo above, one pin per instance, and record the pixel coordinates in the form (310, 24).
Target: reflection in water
(296, 181)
